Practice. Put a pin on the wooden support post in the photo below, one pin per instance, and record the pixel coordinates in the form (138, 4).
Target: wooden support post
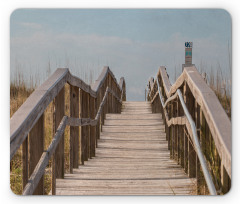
(173, 131)
(152, 105)
(176, 143)
(113, 97)
(203, 147)
(181, 144)
(97, 103)
(101, 117)
(191, 160)
(158, 105)
(191, 151)
(59, 153)
(74, 131)
(198, 127)
(181, 136)
(207, 146)
(36, 148)
(168, 130)
(185, 150)
(168, 134)
(82, 128)
(171, 141)
(104, 107)
(25, 162)
(175, 114)
(58, 156)
(109, 98)
(107, 101)
(92, 128)
(87, 127)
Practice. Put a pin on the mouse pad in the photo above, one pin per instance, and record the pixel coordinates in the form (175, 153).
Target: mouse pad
(120, 101)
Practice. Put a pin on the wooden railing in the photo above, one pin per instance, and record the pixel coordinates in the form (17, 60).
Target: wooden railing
(212, 126)
(88, 107)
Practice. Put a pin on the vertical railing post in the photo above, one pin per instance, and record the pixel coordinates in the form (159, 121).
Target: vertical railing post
(172, 130)
(88, 127)
(85, 129)
(186, 150)
(103, 109)
(74, 131)
(59, 153)
(178, 134)
(92, 128)
(25, 162)
(191, 150)
(82, 128)
(202, 143)
(109, 94)
(175, 133)
(186, 142)
(107, 101)
(112, 96)
(168, 128)
(181, 134)
(181, 144)
(97, 104)
(198, 127)
(36, 148)
(119, 104)
(115, 100)
(58, 156)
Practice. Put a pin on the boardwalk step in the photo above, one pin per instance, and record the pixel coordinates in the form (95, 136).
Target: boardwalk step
(132, 158)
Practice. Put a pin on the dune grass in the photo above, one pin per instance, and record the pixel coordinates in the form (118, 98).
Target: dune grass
(19, 92)
(18, 95)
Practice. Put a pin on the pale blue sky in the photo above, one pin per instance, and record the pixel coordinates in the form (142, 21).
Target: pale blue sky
(133, 43)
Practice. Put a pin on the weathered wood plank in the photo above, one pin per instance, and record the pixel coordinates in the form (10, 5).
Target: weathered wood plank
(36, 144)
(128, 163)
(134, 116)
(25, 162)
(74, 130)
(92, 128)
(59, 113)
(45, 157)
(28, 114)
(219, 123)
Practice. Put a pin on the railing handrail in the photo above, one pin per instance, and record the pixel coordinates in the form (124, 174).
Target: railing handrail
(216, 117)
(196, 142)
(28, 114)
(43, 161)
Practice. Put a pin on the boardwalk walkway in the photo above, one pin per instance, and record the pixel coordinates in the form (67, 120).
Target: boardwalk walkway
(132, 158)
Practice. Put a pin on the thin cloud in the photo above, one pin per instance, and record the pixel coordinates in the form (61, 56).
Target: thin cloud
(34, 26)
(136, 60)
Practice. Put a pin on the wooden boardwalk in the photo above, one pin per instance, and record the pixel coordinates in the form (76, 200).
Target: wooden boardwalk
(132, 158)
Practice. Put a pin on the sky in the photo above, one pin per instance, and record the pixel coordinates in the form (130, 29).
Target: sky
(132, 42)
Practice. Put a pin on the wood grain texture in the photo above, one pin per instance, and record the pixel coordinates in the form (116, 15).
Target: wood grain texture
(92, 128)
(74, 130)
(36, 144)
(44, 160)
(217, 119)
(25, 162)
(130, 162)
(28, 114)
(59, 113)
